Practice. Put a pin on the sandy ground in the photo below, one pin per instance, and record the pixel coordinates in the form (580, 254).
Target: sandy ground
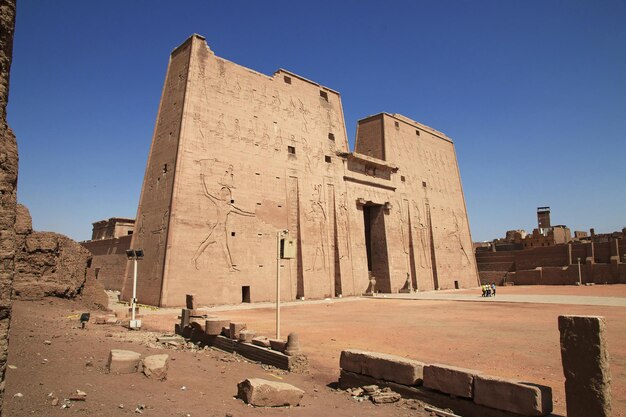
(200, 383)
(513, 340)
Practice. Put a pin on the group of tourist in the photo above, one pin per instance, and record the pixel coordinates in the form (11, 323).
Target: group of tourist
(489, 290)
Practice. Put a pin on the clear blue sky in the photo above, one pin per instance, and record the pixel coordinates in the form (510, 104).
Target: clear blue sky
(532, 92)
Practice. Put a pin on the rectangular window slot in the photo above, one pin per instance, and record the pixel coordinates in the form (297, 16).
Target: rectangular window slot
(257, 173)
(402, 178)
(417, 132)
(259, 234)
(232, 201)
(258, 204)
(331, 136)
(327, 159)
(277, 178)
(245, 294)
(287, 79)
(423, 183)
(260, 266)
(397, 125)
(165, 169)
(232, 233)
(324, 95)
(291, 150)
(279, 206)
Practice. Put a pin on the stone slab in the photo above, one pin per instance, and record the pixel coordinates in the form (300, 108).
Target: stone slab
(586, 369)
(214, 326)
(235, 328)
(278, 345)
(246, 336)
(261, 341)
(123, 361)
(450, 379)
(383, 366)
(263, 393)
(514, 396)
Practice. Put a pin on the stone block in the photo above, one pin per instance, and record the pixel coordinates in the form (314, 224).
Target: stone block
(100, 320)
(185, 316)
(450, 379)
(261, 341)
(278, 345)
(246, 336)
(214, 326)
(155, 366)
(383, 366)
(513, 396)
(235, 328)
(263, 393)
(585, 365)
(123, 361)
(189, 301)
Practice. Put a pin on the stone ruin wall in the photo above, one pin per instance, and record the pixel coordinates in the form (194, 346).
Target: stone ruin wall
(108, 265)
(238, 155)
(8, 184)
(601, 262)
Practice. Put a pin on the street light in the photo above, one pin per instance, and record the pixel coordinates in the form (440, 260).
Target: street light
(282, 252)
(134, 255)
(580, 277)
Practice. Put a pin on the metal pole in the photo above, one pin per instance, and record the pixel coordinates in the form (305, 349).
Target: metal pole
(134, 290)
(580, 278)
(278, 285)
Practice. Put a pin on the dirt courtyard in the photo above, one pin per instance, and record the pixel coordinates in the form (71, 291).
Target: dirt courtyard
(506, 339)
(511, 340)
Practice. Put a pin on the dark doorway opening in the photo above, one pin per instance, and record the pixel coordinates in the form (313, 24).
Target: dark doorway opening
(245, 294)
(456, 285)
(376, 246)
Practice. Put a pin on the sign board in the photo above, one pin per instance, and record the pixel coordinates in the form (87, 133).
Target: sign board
(288, 248)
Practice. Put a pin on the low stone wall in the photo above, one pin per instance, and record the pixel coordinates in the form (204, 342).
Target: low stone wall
(465, 391)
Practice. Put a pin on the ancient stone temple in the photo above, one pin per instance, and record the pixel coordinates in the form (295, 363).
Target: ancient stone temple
(238, 156)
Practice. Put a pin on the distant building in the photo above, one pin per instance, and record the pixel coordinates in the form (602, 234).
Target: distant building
(109, 241)
(550, 256)
(112, 228)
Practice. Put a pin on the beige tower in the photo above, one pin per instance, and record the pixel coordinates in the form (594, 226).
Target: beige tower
(238, 156)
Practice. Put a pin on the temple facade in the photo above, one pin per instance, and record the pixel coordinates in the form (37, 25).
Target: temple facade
(238, 157)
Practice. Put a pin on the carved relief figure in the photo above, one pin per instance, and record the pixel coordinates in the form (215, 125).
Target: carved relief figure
(228, 178)
(342, 222)
(317, 215)
(422, 236)
(218, 234)
(456, 232)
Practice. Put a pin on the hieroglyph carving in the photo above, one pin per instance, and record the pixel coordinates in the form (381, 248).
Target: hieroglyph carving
(218, 234)
(317, 215)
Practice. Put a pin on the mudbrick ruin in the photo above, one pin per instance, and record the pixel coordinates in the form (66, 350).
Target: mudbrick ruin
(238, 156)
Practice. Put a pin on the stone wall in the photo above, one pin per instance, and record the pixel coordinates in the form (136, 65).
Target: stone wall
(8, 184)
(108, 264)
(601, 262)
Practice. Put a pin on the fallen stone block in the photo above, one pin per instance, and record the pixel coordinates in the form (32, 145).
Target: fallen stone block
(385, 397)
(262, 393)
(513, 396)
(383, 366)
(261, 341)
(123, 361)
(246, 336)
(100, 320)
(278, 345)
(450, 379)
(111, 320)
(214, 326)
(234, 330)
(585, 360)
(155, 366)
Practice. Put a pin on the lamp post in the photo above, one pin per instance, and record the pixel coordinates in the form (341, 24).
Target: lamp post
(580, 277)
(134, 255)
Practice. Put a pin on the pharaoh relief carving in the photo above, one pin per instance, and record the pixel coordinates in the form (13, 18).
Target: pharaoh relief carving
(342, 225)
(421, 235)
(316, 215)
(456, 234)
(218, 224)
